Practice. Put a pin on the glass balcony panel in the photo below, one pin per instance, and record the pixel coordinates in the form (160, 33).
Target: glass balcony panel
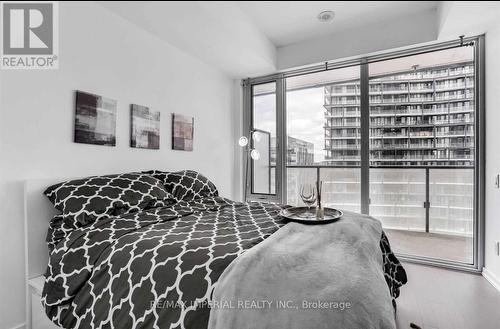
(451, 213)
(296, 177)
(397, 198)
(341, 188)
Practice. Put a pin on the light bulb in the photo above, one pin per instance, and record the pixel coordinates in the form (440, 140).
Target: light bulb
(243, 141)
(254, 154)
(256, 136)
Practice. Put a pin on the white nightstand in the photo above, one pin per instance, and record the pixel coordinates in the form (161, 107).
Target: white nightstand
(37, 318)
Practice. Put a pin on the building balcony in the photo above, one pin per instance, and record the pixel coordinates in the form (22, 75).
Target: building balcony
(453, 121)
(458, 86)
(353, 106)
(421, 157)
(460, 145)
(346, 136)
(342, 125)
(403, 101)
(353, 114)
(419, 134)
(430, 123)
(421, 99)
(341, 93)
(458, 109)
(343, 147)
(346, 102)
(435, 111)
(424, 76)
(395, 91)
(453, 97)
(452, 134)
(404, 146)
(394, 112)
(388, 147)
(346, 157)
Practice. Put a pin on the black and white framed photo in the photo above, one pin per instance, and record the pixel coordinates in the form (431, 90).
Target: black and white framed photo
(144, 127)
(95, 119)
(182, 132)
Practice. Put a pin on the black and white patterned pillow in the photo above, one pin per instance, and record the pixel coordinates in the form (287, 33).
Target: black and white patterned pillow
(59, 228)
(89, 199)
(185, 184)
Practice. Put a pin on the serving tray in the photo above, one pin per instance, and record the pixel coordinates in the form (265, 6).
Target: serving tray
(299, 214)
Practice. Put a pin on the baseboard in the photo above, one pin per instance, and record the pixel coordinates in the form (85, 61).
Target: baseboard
(19, 326)
(491, 278)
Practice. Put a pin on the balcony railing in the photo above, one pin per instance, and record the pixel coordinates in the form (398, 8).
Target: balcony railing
(344, 146)
(343, 136)
(453, 86)
(424, 199)
(340, 114)
(461, 109)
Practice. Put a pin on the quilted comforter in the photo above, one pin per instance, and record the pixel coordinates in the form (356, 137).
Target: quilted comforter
(158, 268)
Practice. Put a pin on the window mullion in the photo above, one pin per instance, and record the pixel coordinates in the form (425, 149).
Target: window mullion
(365, 137)
(281, 172)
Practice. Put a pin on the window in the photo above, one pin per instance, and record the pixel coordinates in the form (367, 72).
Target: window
(324, 120)
(263, 138)
(422, 179)
(395, 137)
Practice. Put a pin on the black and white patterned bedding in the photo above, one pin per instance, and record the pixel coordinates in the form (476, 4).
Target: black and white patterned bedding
(157, 268)
(86, 200)
(185, 184)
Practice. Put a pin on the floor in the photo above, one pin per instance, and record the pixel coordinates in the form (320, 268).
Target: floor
(436, 298)
(443, 246)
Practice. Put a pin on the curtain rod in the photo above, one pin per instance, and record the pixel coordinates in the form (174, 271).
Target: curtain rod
(329, 66)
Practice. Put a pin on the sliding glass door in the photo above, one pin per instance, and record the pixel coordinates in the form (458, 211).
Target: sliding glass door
(397, 136)
(323, 136)
(422, 152)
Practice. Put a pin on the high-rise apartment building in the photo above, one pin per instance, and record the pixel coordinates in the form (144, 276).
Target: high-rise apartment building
(423, 116)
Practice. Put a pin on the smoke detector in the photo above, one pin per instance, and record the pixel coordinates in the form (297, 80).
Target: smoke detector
(326, 16)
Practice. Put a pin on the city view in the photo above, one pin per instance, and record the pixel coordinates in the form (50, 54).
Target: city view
(421, 148)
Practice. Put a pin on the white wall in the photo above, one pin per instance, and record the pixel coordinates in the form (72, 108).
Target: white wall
(218, 32)
(394, 33)
(104, 54)
(472, 18)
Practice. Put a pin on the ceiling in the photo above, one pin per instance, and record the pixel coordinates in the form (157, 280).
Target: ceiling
(243, 38)
(218, 33)
(288, 22)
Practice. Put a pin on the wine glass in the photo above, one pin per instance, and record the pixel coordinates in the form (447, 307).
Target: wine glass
(308, 195)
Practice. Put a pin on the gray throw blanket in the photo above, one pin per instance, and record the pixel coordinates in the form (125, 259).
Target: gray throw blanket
(308, 276)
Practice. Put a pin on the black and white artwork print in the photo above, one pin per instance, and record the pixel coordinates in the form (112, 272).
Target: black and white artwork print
(95, 119)
(182, 132)
(144, 127)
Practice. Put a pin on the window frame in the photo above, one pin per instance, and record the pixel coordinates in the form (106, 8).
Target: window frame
(363, 62)
(247, 86)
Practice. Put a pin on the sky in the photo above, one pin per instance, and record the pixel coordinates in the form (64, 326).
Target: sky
(305, 116)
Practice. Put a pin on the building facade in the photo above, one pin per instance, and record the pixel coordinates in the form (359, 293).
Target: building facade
(421, 117)
(299, 152)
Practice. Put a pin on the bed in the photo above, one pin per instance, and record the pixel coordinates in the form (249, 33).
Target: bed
(164, 250)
